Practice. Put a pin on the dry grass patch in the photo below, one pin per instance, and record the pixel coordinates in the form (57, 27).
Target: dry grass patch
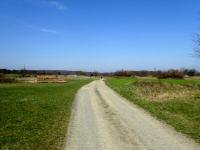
(162, 91)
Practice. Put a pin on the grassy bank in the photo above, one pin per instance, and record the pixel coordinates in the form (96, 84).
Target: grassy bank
(35, 116)
(177, 102)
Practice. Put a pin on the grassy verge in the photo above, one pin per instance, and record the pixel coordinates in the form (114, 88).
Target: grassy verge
(181, 111)
(35, 116)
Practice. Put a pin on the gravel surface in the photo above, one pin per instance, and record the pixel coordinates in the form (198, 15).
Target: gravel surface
(103, 120)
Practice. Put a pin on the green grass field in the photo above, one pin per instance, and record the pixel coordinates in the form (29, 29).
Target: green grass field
(35, 116)
(177, 102)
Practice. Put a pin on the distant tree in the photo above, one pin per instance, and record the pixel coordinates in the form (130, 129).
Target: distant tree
(189, 72)
(95, 73)
(173, 74)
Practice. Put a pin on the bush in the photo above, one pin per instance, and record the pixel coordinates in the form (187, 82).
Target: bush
(190, 72)
(123, 73)
(174, 74)
(4, 79)
(7, 80)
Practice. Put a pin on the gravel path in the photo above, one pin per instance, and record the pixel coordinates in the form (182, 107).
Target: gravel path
(103, 120)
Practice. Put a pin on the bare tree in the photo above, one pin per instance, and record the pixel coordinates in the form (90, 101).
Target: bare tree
(197, 46)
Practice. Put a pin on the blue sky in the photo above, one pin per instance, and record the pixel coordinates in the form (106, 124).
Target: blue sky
(102, 35)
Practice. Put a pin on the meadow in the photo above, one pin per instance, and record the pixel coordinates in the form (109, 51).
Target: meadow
(174, 101)
(35, 116)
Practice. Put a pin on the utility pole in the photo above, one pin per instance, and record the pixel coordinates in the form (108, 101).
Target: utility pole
(24, 67)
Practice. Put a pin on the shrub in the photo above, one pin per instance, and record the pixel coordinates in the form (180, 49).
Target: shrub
(190, 72)
(174, 74)
(4, 79)
(7, 80)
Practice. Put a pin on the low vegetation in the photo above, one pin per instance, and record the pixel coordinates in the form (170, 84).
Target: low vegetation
(35, 116)
(161, 90)
(172, 73)
(176, 101)
(6, 78)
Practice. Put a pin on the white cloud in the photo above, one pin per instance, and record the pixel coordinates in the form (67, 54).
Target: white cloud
(57, 4)
(53, 3)
(48, 31)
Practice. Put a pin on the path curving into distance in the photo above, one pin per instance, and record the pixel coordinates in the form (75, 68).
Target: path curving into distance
(103, 120)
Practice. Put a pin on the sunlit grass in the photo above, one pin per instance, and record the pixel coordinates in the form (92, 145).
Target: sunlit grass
(180, 111)
(35, 116)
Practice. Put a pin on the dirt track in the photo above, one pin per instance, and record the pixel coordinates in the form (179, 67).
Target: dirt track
(102, 120)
